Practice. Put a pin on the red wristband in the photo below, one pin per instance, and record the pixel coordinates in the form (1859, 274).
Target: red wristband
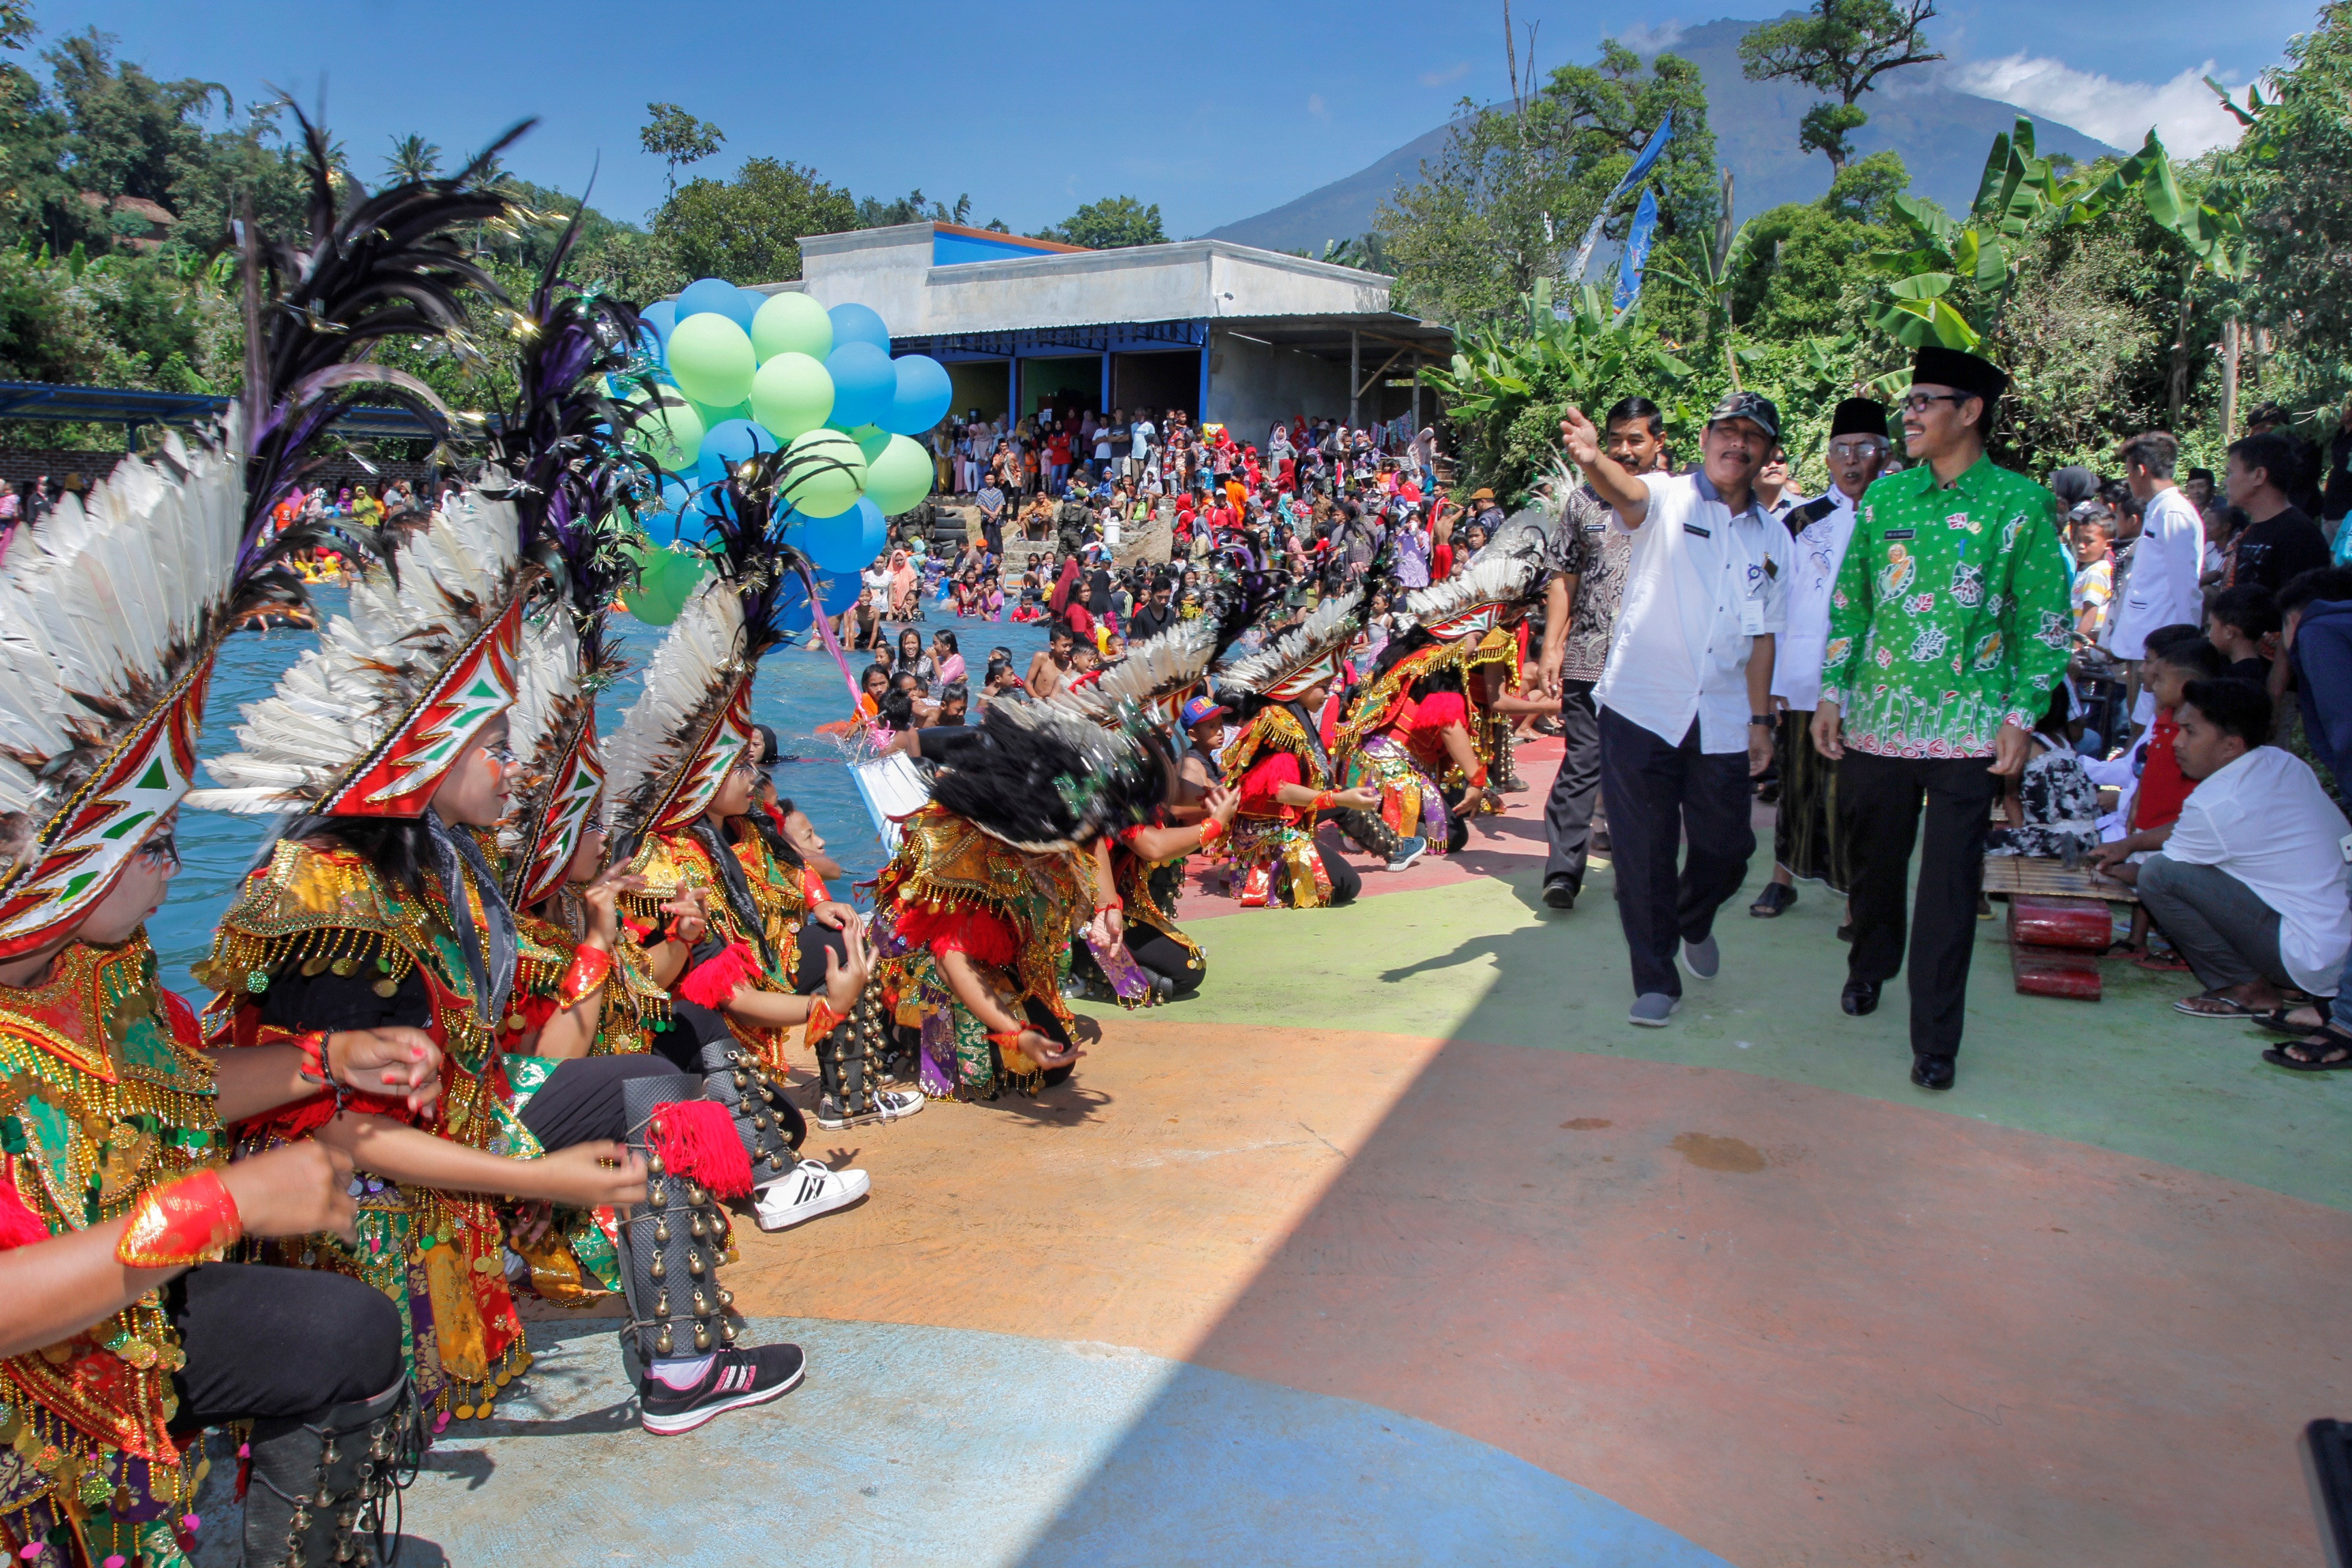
(313, 1046)
(180, 1223)
(1210, 830)
(587, 971)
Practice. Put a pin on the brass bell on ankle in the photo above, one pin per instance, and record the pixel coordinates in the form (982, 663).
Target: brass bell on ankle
(702, 1338)
(694, 1262)
(661, 1230)
(661, 1303)
(659, 1270)
(663, 1344)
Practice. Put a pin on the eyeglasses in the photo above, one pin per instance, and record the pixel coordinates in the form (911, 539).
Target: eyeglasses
(1916, 402)
(1853, 451)
(162, 850)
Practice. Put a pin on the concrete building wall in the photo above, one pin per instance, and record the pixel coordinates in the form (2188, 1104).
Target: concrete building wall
(892, 270)
(1253, 384)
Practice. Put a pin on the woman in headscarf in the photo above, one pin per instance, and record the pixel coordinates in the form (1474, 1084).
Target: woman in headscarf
(904, 584)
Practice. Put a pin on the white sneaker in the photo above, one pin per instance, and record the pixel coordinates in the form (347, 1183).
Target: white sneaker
(889, 1105)
(807, 1190)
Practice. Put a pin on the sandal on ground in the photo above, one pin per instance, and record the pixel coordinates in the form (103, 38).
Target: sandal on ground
(1775, 898)
(2213, 1004)
(2329, 1050)
(2157, 963)
(2280, 1020)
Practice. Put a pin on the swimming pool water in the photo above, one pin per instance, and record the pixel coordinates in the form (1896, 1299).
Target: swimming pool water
(797, 689)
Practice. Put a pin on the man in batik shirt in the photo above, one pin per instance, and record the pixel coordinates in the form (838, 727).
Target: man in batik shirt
(1948, 628)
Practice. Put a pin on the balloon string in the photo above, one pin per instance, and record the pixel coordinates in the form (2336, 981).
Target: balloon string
(825, 631)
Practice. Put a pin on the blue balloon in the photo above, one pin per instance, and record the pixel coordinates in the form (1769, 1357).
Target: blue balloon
(732, 442)
(794, 613)
(835, 543)
(842, 588)
(864, 384)
(660, 316)
(876, 535)
(714, 295)
(663, 526)
(858, 324)
(923, 397)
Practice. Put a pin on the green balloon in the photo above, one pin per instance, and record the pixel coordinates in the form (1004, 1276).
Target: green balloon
(671, 433)
(667, 579)
(714, 416)
(898, 475)
(870, 440)
(792, 324)
(711, 359)
(791, 394)
(827, 473)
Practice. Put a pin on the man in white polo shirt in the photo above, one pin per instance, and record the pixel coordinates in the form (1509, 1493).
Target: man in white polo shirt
(1686, 699)
(2161, 588)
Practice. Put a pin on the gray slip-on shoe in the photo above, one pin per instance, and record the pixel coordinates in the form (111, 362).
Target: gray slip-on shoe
(1652, 1008)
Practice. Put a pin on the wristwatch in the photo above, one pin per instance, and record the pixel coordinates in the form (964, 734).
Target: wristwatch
(1764, 719)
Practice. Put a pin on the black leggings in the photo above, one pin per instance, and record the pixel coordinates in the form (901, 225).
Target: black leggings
(1164, 956)
(264, 1341)
(581, 1100)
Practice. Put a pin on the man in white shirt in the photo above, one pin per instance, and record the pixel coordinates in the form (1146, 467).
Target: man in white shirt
(1685, 697)
(2251, 886)
(1141, 434)
(2161, 589)
(1804, 832)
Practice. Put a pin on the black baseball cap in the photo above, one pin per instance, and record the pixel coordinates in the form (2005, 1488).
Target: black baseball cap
(1749, 406)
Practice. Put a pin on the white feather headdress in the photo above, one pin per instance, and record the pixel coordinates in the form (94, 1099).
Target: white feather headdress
(1475, 599)
(1154, 673)
(691, 721)
(369, 722)
(1295, 661)
(112, 611)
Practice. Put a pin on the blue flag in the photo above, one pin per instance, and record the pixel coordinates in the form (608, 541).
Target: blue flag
(1637, 252)
(1643, 160)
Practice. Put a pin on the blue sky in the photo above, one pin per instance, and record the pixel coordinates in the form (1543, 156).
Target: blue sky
(1214, 109)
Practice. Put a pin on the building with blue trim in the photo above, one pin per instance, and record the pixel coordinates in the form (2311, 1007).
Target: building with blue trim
(1229, 334)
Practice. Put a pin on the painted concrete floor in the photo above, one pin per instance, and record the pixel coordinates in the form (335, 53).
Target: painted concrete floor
(1400, 1246)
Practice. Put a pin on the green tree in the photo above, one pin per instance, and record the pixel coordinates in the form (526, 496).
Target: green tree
(413, 158)
(1508, 199)
(1114, 222)
(912, 208)
(1842, 47)
(748, 229)
(127, 133)
(678, 138)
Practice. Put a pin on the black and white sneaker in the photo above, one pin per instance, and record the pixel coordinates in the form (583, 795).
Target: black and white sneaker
(737, 1376)
(889, 1105)
(807, 1190)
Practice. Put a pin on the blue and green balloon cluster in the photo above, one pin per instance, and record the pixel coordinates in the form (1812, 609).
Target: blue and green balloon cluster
(759, 372)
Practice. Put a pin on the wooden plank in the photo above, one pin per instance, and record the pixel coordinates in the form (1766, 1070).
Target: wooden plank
(2007, 875)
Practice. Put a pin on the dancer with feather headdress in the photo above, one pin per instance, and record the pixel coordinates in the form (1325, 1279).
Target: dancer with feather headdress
(116, 1198)
(1430, 729)
(383, 905)
(681, 780)
(1280, 764)
(1144, 861)
(976, 910)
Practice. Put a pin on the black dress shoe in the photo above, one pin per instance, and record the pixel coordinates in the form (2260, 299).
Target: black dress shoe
(1775, 898)
(1932, 1072)
(1860, 998)
(1559, 893)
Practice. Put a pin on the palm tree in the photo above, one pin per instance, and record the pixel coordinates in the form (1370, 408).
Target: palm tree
(413, 158)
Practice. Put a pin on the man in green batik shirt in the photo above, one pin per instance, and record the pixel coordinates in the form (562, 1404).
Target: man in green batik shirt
(1947, 629)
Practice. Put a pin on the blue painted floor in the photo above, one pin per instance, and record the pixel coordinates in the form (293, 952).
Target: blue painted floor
(915, 1445)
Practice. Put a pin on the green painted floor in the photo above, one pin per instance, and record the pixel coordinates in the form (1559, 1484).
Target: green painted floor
(2127, 1073)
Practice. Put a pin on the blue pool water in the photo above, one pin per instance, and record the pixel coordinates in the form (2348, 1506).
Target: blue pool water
(797, 689)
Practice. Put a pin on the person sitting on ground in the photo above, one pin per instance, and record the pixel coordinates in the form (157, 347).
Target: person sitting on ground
(2251, 885)
(2151, 770)
(2240, 622)
(2052, 807)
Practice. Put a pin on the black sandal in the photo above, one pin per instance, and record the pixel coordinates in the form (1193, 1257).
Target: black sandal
(2277, 1021)
(1775, 899)
(2327, 1039)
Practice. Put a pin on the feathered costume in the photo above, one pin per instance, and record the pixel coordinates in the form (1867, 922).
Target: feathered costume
(1394, 737)
(111, 617)
(995, 868)
(1279, 742)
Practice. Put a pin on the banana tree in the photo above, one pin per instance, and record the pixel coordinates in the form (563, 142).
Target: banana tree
(2019, 197)
(1710, 281)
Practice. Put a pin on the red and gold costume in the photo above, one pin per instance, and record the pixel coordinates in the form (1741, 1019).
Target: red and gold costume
(1273, 844)
(1394, 739)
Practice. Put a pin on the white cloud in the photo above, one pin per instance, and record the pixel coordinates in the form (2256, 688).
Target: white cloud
(2183, 110)
(1644, 39)
(1314, 106)
(1451, 73)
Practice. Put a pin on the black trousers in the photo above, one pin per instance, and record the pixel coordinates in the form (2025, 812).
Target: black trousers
(264, 1341)
(1661, 795)
(1568, 810)
(1879, 800)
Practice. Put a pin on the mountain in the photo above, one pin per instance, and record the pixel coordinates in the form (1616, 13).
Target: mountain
(1942, 135)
